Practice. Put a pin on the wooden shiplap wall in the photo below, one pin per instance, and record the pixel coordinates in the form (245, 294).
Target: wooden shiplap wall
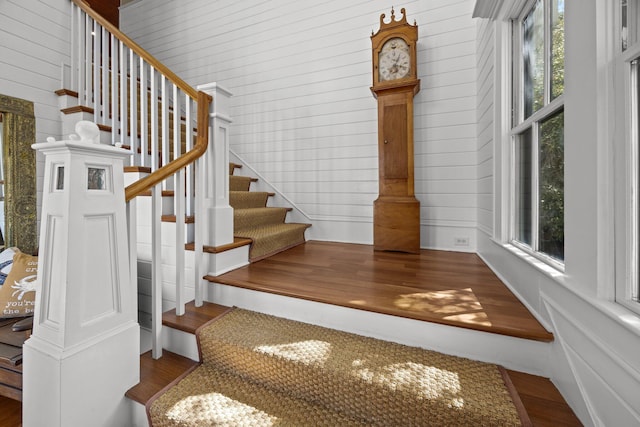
(485, 105)
(34, 43)
(304, 117)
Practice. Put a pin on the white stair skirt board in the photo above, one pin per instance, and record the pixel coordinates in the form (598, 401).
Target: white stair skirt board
(138, 414)
(226, 261)
(175, 341)
(513, 353)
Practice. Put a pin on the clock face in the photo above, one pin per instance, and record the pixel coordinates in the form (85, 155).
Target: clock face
(394, 61)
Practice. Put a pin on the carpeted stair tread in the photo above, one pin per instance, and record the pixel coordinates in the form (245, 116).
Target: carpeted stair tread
(240, 183)
(211, 397)
(265, 226)
(258, 217)
(271, 239)
(366, 380)
(248, 199)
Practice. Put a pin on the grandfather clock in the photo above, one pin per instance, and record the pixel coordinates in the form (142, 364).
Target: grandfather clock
(396, 211)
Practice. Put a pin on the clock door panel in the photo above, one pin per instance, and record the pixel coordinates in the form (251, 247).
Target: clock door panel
(394, 147)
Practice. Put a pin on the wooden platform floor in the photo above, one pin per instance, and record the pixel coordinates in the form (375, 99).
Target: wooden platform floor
(451, 288)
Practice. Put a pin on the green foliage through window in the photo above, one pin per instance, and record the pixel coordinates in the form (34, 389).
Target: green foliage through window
(539, 144)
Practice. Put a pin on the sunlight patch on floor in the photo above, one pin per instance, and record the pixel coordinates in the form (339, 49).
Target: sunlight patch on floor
(460, 305)
(218, 409)
(479, 318)
(426, 382)
(442, 302)
(309, 352)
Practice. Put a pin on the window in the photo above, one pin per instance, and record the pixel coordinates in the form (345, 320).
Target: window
(627, 144)
(538, 132)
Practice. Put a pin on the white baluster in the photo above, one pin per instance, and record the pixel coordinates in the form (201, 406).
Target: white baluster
(133, 108)
(104, 72)
(122, 79)
(156, 271)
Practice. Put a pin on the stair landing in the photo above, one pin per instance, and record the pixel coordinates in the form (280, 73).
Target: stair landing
(450, 288)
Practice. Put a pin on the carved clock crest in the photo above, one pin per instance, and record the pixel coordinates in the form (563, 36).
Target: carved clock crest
(396, 217)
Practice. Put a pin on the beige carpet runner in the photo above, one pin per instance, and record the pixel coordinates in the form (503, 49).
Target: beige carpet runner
(261, 370)
(265, 226)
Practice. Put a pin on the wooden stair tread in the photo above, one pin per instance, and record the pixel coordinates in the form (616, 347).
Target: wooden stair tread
(172, 218)
(237, 242)
(157, 374)
(141, 169)
(544, 404)
(194, 317)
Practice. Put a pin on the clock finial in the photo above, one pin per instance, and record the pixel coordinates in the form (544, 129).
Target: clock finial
(393, 22)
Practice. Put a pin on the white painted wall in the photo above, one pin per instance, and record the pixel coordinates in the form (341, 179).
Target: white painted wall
(34, 42)
(594, 355)
(304, 117)
(485, 112)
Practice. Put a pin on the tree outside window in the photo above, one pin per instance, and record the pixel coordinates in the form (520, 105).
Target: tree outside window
(538, 131)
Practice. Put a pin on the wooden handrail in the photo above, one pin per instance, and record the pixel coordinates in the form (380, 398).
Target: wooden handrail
(200, 147)
(203, 101)
(151, 60)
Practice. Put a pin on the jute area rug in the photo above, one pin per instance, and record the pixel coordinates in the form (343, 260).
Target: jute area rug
(261, 370)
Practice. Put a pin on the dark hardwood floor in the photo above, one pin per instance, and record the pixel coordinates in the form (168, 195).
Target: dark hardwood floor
(451, 288)
(10, 412)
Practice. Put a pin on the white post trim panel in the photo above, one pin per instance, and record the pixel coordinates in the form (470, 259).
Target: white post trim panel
(84, 352)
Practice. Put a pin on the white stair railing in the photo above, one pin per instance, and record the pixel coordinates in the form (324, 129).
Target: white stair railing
(150, 111)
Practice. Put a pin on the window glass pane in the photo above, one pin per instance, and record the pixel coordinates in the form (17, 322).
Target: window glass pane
(557, 48)
(533, 59)
(523, 215)
(551, 187)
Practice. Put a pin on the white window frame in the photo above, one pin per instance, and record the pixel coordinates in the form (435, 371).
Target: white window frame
(627, 163)
(532, 122)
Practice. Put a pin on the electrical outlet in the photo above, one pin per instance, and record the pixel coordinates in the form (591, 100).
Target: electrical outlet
(461, 241)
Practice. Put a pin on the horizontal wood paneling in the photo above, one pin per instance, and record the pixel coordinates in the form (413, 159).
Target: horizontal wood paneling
(485, 111)
(34, 42)
(304, 117)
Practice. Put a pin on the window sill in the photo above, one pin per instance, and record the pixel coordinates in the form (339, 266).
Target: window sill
(617, 312)
(544, 268)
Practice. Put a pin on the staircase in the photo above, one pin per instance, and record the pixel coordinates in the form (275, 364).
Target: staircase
(186, 224)
(252, 219)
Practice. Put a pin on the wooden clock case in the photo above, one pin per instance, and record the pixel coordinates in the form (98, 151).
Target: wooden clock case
(396, 213)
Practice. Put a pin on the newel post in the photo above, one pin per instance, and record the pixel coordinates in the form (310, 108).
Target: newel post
(84, 352)
(219, 212)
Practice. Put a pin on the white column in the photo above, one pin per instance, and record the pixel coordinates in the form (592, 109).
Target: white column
(220, 214)
(84, 352)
